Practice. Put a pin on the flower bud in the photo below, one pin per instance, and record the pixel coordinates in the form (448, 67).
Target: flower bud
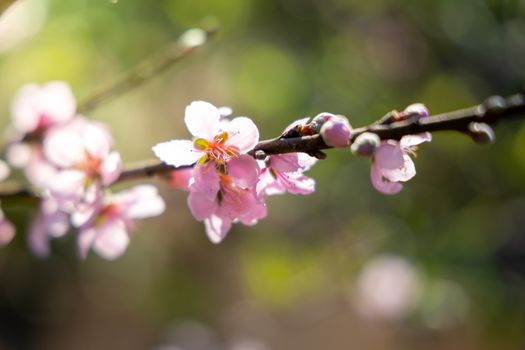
(365, 144)
(336, 132)
(416, 109)
(481, 133)
(318, 121)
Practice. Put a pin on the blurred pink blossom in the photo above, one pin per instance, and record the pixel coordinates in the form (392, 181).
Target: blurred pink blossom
(105, 226)
(36, 108)
(387, 288)
(81, 149)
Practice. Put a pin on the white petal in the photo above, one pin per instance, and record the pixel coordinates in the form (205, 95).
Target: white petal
(177, 152)
(146, 202)
(111, 240)
(414, 140)
(217, 228)
(4, 170)
(111, 168)
(382, 184)
(243, 134)
(202, 119)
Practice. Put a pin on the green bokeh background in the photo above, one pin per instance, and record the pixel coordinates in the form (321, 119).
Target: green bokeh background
(288, 282)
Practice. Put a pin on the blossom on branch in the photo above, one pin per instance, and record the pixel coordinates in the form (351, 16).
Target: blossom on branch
(215, 138)
(81, 150)
(391, 163)
(283, 173)
(35, 111)
(222, 186)
(104, 227)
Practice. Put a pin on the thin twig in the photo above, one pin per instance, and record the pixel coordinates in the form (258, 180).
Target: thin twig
(492, 111)
(4, 4)
(181, 48)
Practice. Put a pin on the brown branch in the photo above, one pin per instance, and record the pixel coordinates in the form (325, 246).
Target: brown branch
(492, 111)
(4, 4)
(181, 48)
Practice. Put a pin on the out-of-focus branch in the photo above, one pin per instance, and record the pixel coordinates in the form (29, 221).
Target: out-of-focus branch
(495, 109)
(4, 4)
(144, 71)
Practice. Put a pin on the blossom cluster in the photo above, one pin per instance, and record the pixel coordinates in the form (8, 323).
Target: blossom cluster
(226, 185)
(70, 161)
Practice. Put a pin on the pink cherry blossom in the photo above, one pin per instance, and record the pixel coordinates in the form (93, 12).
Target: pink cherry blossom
(215, 139)
(105, 226)
(220, 199)
(36, 108)
(81, 149)
(34, 111)
(284, 173)
(392, 164)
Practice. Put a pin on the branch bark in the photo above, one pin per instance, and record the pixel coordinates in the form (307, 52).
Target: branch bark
(494, 110)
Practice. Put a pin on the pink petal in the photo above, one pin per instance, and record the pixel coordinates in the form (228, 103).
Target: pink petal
(177, 152)
(144, 202)
(405, 173)
(96, 139)
(389, 156)
(287, 162)
(381, 184)
(305, 161)
(251, 217)
(217, 228)
(46, 105)
(297, 183)
(243, 134)
(64, 145)
(200, 206)
(111, 240)
(268, 185)
(244, 171)
(206, 181)
(7, 230)
(86, 237)
(111, 168)
(414, 140)
(202, 119)
(38, 239)
(68, 186)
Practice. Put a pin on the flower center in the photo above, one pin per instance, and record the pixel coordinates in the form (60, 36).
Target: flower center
(90, 165)
(216, 149)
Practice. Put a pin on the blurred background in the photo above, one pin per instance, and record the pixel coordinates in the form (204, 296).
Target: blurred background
(439, 266)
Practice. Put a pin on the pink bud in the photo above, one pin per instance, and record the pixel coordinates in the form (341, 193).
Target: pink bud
(336, 132)
(416, 108)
